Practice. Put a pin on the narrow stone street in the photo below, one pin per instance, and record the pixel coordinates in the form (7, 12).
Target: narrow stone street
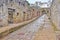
(26, 32)
(47, 32)
(29, 20)
(29, 31)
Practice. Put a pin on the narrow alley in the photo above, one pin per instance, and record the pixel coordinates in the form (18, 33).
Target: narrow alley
(28, 32)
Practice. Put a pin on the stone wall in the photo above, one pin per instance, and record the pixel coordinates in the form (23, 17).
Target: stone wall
(55, 13)
(15, 13)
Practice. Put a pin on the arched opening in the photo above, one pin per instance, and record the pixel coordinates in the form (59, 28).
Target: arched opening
(24, 15)
(43, 12)
(17, 14)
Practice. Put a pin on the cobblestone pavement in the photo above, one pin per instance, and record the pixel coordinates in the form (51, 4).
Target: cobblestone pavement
(47, 33)
(28, 31)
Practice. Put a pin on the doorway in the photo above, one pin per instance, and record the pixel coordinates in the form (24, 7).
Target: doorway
(10, 15)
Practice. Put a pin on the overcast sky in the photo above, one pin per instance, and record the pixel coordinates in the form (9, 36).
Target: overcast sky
(33, 1)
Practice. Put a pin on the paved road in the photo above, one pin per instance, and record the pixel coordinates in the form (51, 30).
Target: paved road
(28, 31)
(47, 32)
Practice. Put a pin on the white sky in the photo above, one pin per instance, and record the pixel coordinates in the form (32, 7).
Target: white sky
(33, 1)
